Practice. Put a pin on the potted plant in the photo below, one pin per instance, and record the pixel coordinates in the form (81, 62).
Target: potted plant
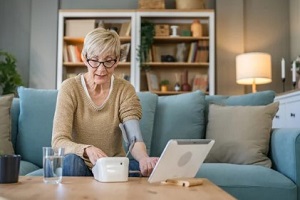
(9, 168)
(164, 85)
(147, 35)
(10, 79)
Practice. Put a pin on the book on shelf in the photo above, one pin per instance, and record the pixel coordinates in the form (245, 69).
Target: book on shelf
(74, 53)
(202, 51)
(125, 29)
(192, 52)
(125, 48)
(79, 27)
(65, 54)
(200, 82)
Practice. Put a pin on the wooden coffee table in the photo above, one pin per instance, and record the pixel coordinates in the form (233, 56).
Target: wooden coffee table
(89, 188)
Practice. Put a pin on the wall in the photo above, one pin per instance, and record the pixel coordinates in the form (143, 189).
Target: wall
(267, 30)
(229, 43)
(15, 32)
(248, 26)
(295, 28)
(43, 44)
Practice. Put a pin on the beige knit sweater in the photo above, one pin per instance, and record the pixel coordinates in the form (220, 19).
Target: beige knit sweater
(79, 123)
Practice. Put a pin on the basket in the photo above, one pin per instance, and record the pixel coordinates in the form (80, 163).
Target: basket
(151, 4)
(190, 4)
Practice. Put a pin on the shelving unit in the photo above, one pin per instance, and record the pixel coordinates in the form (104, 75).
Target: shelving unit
(167, 70)
(117, 17)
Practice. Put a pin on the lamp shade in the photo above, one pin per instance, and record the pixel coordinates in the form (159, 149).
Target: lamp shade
(253, 68)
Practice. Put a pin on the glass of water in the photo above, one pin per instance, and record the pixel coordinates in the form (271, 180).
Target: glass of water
(53, 164)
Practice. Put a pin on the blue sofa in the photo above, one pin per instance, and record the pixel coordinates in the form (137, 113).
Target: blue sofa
(166, 117)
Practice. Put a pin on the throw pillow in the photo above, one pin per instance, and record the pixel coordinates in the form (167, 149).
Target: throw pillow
(5, 124)
(37, 107)
(178, 117)
(241, 133)
(148, 102)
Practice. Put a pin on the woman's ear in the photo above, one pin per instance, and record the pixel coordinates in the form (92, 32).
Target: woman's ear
(83, 58)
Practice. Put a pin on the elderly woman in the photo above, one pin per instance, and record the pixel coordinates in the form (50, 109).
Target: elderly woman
(91, 106)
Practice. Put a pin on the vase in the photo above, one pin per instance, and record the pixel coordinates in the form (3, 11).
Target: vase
(185, 86)
(196, 28)
(164, 88)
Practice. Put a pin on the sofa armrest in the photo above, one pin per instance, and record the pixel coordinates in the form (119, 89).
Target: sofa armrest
(285, 152)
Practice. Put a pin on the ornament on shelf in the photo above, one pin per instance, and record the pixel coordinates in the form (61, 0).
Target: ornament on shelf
(177, 84)
(185, 86)
(181, 52)
(174, 31)
(196, 28)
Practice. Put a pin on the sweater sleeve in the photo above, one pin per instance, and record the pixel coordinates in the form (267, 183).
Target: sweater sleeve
(63, 121)
(130, 107)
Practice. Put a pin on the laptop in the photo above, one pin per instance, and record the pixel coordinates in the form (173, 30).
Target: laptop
(181, 158)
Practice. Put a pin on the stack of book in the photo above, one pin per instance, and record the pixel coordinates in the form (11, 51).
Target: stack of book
(198, 52)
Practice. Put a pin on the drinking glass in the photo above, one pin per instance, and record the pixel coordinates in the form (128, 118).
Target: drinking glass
(53, 164)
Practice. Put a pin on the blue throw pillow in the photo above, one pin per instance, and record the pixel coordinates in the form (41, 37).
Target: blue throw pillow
(178, 117)
(37, 109)
(149, 102)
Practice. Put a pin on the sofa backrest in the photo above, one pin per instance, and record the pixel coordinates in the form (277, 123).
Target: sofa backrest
(165, 117)
(251, 99)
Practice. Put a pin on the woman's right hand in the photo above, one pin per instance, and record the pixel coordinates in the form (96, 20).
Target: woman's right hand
(94, 154)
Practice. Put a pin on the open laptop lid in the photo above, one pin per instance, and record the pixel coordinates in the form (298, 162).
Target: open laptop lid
(181, 158)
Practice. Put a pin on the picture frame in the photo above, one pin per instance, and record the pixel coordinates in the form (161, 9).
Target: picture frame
(200, 82)
(153, 82)
(125, 48)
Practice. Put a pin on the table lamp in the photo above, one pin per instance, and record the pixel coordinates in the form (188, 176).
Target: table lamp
(253, 68)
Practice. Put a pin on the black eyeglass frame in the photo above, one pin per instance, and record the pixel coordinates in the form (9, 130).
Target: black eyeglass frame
(99, 63)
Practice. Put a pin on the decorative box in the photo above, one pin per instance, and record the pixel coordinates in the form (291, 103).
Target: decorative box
(162, 30)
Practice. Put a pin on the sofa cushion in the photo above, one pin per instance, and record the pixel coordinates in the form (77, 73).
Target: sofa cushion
(249, 181)
(5, 124)
(241, 133)
(27, 167)
(37, 109)
(149, 102)
(178, 117)
(38, 172)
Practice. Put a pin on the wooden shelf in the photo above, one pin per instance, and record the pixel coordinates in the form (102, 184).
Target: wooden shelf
(178, 39)
(81, 64)
(73, 40)
(176, 64)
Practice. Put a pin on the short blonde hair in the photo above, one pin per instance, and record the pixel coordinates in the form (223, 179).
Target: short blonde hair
(101, 41)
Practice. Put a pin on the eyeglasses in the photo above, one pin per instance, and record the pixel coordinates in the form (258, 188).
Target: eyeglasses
(107, 64)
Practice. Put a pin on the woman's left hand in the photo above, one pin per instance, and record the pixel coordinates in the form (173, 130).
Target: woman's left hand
(147, 165)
